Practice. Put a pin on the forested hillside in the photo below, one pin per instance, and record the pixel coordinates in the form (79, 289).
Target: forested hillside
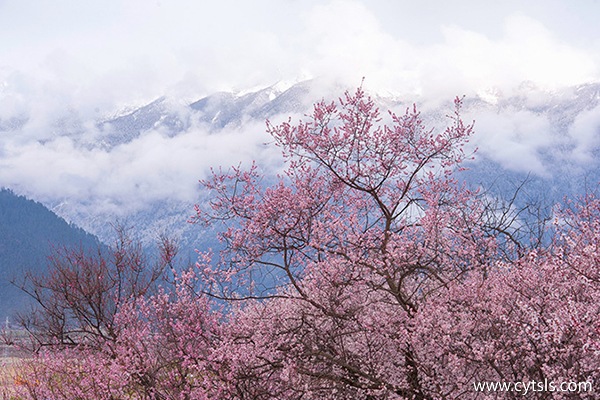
(28, 232)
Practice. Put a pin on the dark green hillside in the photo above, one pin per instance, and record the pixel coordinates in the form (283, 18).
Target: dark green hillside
(28, 232)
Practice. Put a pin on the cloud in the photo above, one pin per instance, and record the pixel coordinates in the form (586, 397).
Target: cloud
(124, 53)
(585, 136)
(347, 41)
(127, 178)
(514, 138)
(469, 62)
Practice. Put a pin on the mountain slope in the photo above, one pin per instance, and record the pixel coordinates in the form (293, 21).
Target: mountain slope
(28, 232)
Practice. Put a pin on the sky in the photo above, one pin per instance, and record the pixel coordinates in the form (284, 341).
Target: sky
(112, 53)
(94, 59)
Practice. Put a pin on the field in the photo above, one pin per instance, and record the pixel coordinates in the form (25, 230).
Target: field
(7, 376)
(10, 360)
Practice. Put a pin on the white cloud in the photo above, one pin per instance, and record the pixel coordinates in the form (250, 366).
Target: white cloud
(130, 52)
(130, 176)
(514, 138)
(585, 135)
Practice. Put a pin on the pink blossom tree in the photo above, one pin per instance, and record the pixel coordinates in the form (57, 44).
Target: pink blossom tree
(364, 226)
(109, 328)
(533, 320)
(367, 271)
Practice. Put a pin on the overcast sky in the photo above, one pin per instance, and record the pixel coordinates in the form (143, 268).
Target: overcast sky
(97, 57)
(101, 53)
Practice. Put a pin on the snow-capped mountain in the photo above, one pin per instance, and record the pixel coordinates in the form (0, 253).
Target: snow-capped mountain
(216, 111)
(216, 114)
(142, 167)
